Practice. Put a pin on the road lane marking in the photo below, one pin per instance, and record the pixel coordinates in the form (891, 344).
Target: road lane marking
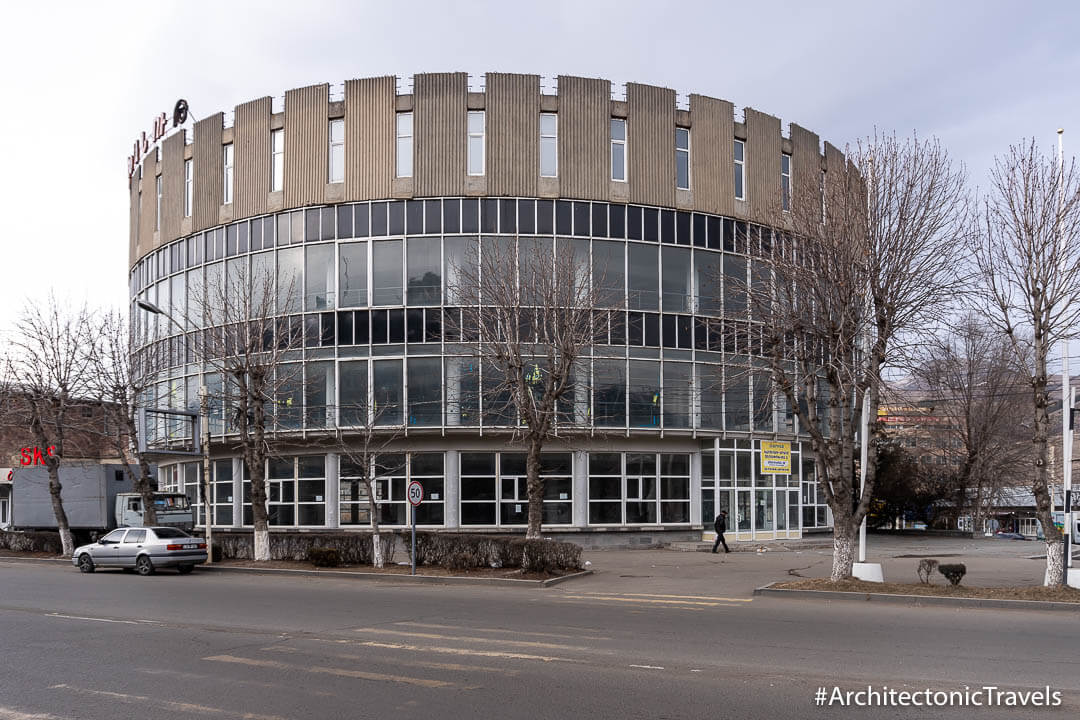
(459, 651)
(614, 598)
(434, 626)
(104, 620)
(342, 672)
(13, 714)
(647, 667)
(168, 704)
(454, 667)
(685, 597)
(465, 638)
(180, 674)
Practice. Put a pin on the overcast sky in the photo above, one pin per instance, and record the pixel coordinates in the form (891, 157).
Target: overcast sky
(81, 81)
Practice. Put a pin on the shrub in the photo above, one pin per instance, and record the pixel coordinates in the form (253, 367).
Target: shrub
(926, 569)
(324, 557)
(954, 573)
(47, 541)
(458, 551)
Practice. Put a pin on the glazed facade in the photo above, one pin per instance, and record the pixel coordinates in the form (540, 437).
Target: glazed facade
(673, 396)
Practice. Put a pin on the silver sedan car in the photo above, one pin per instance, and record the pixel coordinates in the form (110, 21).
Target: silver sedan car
(143, 550)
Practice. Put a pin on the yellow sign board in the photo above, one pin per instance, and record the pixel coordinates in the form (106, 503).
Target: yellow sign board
(775, 458)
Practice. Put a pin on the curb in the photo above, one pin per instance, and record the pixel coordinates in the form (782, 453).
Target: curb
(36, 559)
(918, 600)
(395, 577)
(377, 577)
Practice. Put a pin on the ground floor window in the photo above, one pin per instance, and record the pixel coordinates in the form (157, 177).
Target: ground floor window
(639, 488)
(732, 480)
(393, 471)
(494, 491)
(295, 490)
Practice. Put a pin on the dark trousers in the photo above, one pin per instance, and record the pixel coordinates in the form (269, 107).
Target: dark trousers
(720, 541)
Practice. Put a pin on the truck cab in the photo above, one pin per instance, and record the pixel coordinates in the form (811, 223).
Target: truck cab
(173, 510)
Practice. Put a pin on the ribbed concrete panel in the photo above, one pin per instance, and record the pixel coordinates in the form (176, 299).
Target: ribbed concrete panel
(134, 250)
(763, 165)
(306, 148)
(439, 123)
(835, 165)
(148, 210)
(251, 157)
(650, 133)
(712, 154)
(805, 171)
(513, 122)
(584, 138)
(207, 173)
(369, 137)
(172, 181)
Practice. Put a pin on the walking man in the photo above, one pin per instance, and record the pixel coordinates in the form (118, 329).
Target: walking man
(721, 527)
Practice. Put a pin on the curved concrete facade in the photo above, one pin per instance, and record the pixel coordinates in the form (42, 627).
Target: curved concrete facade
(652, 189)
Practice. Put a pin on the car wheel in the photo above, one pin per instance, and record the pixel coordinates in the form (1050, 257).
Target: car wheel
(185, 569)
(86, 563)
(143, 566)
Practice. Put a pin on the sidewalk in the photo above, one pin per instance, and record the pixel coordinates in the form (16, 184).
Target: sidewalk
(989, 563)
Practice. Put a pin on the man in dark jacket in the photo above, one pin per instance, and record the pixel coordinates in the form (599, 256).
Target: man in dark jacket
(721, 527)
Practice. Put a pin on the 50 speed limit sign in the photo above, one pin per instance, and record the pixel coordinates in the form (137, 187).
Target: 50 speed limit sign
(416, 493)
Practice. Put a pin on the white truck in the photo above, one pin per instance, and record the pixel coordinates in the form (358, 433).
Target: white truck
(97, 498)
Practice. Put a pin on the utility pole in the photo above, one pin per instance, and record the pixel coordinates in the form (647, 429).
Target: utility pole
(1066, 394)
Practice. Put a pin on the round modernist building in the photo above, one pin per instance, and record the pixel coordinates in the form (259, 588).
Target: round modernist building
(363, 198)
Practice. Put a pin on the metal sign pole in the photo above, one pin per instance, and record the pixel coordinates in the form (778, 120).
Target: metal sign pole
(412, 512)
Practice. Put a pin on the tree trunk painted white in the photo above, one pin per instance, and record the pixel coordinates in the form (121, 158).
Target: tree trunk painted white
(377, 550)
(1055, 569)
(262, 544)
(844, 548)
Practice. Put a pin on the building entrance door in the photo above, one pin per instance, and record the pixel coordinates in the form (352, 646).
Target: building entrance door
(4, 519)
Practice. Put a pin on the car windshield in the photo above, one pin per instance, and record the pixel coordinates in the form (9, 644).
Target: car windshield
(170, 533)
(171, 502)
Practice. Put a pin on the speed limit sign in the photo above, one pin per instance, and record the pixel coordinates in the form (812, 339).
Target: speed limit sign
(416, 493)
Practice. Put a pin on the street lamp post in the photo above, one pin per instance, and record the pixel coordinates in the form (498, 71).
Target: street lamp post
(1066, 395)
(204, 422)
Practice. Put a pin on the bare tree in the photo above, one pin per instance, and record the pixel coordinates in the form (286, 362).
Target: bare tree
(363, 435)
(1027, 249)
(526, 315)
(867, 263)
(250, 340)
(977, 388)
(119, 377)
(49, 366)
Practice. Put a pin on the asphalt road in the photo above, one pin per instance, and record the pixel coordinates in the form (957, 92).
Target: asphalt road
(111, 645)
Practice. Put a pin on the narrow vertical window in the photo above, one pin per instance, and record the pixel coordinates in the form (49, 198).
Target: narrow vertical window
(337, 151)
(682, 158)
(404, 146)
(785, 181)
(189, 175)
(227, 162)
(476, 142)
(277, 160)
(157, 212)
(549, 145)
(740, 157)
(618, 149)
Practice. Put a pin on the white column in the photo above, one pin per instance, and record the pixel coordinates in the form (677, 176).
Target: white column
(695, 487)
(581, 488)
(451, 488)
(333, 495)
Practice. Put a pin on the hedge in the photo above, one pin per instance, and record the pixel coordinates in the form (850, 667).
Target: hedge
(454, 551)
(31, 541)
